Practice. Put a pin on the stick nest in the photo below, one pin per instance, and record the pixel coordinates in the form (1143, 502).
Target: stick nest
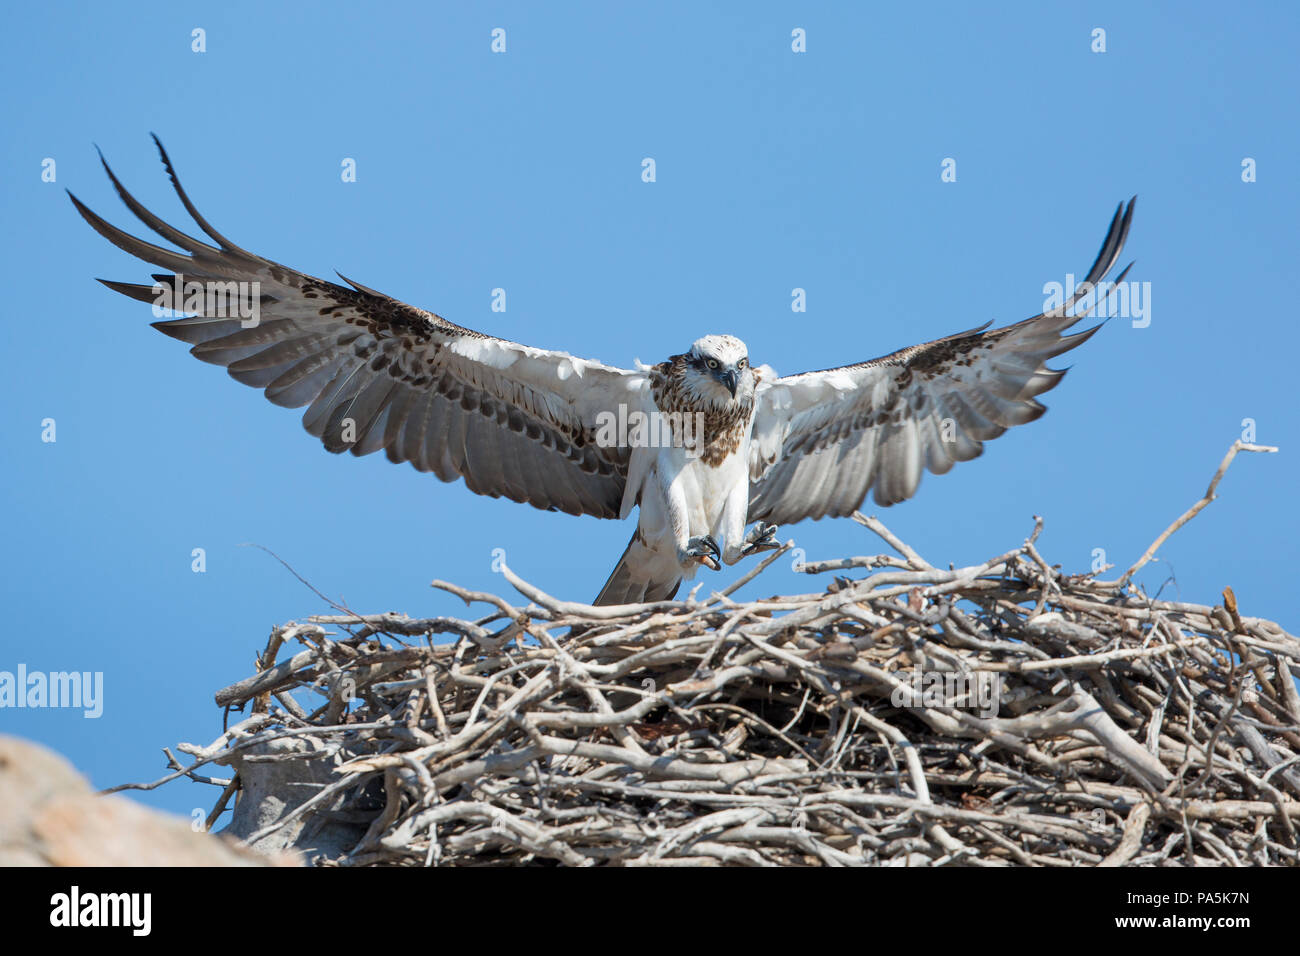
(904, 715)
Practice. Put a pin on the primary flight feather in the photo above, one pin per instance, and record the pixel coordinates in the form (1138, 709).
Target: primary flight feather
(705, 443)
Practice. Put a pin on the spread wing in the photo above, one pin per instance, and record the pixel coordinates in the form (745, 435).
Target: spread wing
(822, 440)
(376, 373)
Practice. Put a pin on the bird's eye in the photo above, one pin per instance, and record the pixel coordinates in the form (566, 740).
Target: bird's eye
(742, 363)
(713, 363)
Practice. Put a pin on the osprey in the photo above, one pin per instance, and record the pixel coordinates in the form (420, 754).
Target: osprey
(737, 445)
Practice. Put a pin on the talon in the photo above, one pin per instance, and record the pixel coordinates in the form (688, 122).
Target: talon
(761, 538)
(704, 549)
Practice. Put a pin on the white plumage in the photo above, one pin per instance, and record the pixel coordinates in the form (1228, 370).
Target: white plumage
(528, 424)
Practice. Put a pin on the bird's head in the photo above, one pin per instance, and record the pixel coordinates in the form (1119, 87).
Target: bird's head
(717, 370)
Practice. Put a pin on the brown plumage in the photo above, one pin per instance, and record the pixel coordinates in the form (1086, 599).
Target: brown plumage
(724, 426)
(526, 423)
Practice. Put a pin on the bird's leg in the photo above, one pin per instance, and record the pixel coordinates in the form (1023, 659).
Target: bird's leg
(701, 548)
(732, 524)
(691, 550)
(761, 537)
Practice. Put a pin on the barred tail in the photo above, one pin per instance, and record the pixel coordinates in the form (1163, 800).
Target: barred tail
(639, 577)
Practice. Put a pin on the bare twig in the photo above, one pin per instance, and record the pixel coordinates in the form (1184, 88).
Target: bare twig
(999, 714)
(1195, 509)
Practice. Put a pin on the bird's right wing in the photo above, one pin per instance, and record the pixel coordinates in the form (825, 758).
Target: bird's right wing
(823, 440)
(376, 373)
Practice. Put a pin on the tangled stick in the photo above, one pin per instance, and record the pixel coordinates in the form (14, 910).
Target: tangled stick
(905, 715)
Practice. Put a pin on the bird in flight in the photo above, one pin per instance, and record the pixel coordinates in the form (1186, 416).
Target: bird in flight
(706, 444)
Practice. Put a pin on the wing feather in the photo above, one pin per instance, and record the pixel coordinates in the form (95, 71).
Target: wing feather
(823, 440)
(507, 419)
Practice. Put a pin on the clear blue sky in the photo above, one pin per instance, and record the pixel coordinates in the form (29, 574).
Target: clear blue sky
(522, 170)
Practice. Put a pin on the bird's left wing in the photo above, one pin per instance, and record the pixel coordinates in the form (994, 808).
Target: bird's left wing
(822, 440)
(376, 373)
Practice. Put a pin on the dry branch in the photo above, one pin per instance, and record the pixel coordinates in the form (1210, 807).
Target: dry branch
(994, 715)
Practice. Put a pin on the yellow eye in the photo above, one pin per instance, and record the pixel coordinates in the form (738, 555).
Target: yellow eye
(713, 363)
(742, 363)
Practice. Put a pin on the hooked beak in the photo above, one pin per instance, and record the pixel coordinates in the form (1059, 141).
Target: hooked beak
(729, 378)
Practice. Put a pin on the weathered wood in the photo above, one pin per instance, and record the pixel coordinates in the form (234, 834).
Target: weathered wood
(999, 714)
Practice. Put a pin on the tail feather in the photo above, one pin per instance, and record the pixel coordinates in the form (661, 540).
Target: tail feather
(637, 579)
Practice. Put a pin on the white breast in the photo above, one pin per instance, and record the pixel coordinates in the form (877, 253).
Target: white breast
(705, 487)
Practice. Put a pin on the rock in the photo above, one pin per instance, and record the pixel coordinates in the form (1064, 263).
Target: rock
(49, 816)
